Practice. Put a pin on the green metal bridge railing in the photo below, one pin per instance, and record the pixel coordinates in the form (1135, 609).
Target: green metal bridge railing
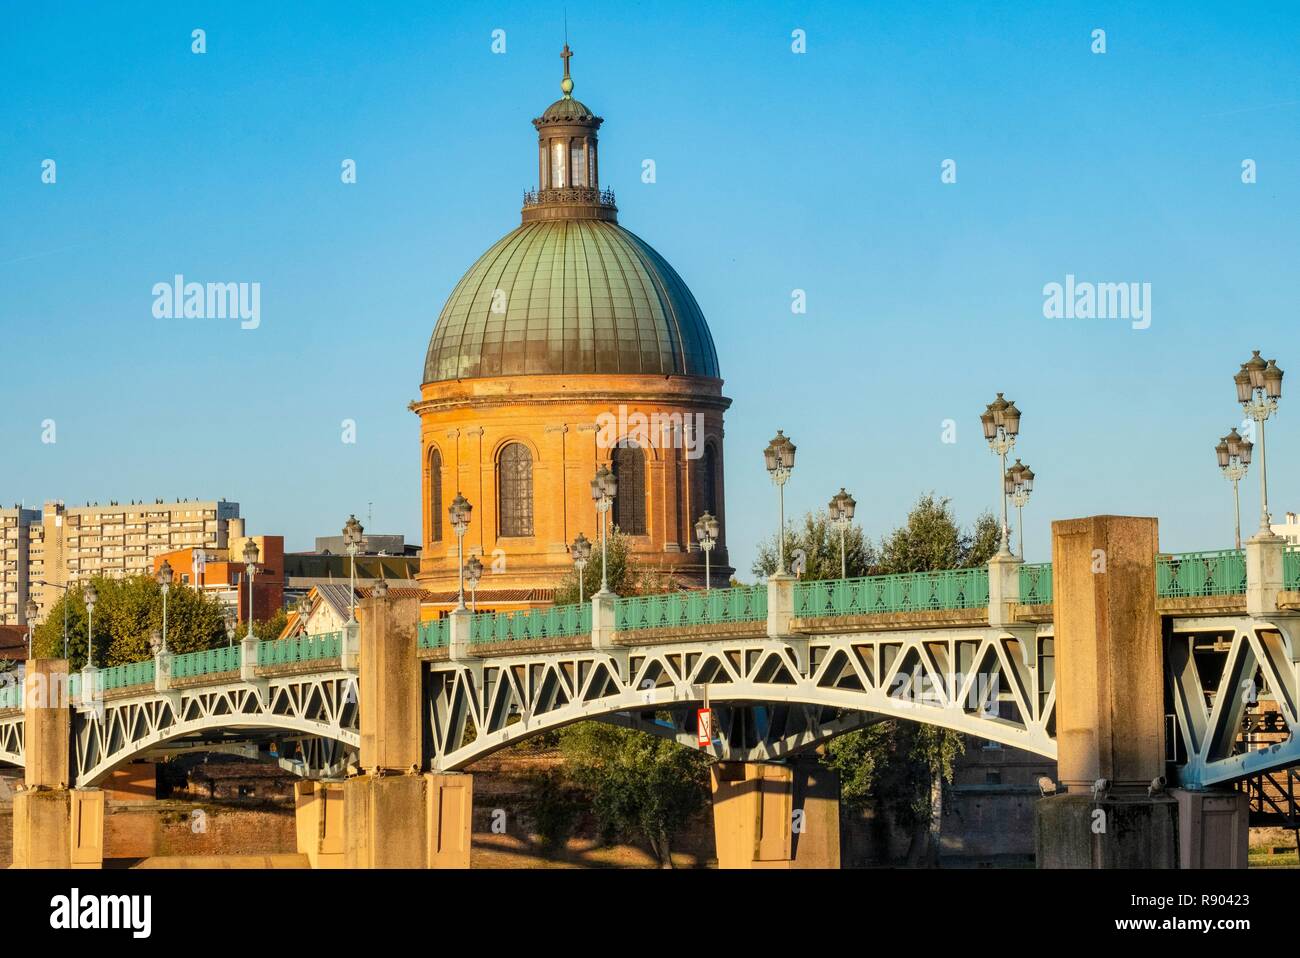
(1201, 573)
(558, 621)
(302, 648)
(739, 604)
(211, 661)
(433, 634)
(124, 676)
(1036, 584)
(903, 592)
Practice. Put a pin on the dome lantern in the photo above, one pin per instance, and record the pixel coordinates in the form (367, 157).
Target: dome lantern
(568, 171)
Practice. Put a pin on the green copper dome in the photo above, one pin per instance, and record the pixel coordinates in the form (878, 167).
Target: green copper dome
(570, 296)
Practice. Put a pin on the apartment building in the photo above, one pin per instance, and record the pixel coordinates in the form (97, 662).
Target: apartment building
(15, 531)
(65, 545)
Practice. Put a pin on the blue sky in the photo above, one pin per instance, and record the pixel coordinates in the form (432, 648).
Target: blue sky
(775, 171)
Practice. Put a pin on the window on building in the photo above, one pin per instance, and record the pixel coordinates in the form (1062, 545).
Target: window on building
(577, 165)
(629, 504)
(435, 495)
(709, 484)
(515, 490)
(558, 150)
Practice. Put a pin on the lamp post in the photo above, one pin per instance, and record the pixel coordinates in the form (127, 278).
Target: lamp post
(459, 512)
(841, 508)
(1019, 484)
(31, 609)
(64, 589)
(352, 533)
(229, 618)
(90, 595)
(164, 577)
(779, 459)
(1233, 455)
(1259, 387)
(604, 488)
(250, 567)
(706, 532)
(1001, 423)
(581, 552)
(473, 573)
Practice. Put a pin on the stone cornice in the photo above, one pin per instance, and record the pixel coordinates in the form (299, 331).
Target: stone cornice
(611, 399)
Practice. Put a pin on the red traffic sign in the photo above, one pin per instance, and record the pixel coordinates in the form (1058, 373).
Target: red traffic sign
(704, 724)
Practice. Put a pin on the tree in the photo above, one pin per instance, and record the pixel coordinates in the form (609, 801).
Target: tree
(626, 575)
(268, 630)
(819, 541)
(639, 784)
(127, 613)
(904, 766)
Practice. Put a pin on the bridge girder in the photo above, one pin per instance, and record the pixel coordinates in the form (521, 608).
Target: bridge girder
(982, 681)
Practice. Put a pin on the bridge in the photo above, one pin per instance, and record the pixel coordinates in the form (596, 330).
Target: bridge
(1182, 666)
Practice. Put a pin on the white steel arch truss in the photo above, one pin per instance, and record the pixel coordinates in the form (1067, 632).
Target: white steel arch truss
(314, 705)
(1232, 689)
(993, 683)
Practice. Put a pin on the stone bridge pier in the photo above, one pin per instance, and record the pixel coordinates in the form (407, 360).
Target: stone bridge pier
(54, 825)
(1110, 691)
(391, 815)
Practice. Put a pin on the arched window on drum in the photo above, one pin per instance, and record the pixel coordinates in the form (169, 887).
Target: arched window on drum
(515, 490)
(629, 505)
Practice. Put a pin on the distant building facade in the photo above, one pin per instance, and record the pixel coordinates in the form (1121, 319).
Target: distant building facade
(222, 575)
(66, 545)
(1288, 529)
(380, 545)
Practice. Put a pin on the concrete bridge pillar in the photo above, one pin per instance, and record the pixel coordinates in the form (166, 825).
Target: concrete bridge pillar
(54, 826)
(776, 816)
(1110, 714)
(392, 816)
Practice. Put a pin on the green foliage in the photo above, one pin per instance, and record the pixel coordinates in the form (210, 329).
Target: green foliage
(903, 766)
(554, 807)
(931, 540)
(127, 613)
(639, 784)
(858, 758)
(626, 576)
(820, 542)
(268, 630)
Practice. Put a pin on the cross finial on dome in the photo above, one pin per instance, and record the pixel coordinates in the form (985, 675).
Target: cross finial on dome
(566, 85)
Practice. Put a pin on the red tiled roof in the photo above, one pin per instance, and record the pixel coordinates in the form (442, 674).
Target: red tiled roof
(13, 642)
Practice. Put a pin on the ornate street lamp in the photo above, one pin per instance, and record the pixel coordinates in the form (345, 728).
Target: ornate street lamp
(91, 596)
(473, 573)
(31, 609)
(1233, 455)
(1019, 483)
(459, 512)
(581, 552)
(604, 488)
(229, 617)
(779, 459)
(841, 509)
(164, 577)
(706, 532)
(1259, 387)
(1001, 423)
(352, 537)
(250, 568)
